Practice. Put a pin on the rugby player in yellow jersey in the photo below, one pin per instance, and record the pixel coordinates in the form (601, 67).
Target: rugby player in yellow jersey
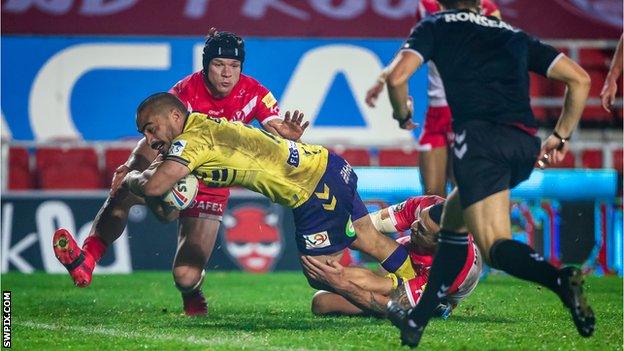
(319, 186)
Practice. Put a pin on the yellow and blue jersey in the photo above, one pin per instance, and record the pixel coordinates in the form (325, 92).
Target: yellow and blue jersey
(223, 154)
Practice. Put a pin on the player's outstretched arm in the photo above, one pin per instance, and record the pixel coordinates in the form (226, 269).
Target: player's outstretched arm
(372, 94)
(578, 83)
(401, 69)
(609, 88)
(288, 128)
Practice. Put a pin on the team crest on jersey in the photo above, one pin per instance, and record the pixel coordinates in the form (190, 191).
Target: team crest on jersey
(177, 147)
(317, 240)
(252, 237)
(238, 116)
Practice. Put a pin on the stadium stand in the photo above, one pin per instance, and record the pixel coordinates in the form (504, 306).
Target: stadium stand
(113, 158)
(398, 157)
(569, 161)
(80, 167)
(591, 158)
(20, 175)
(355, 156)
(68, 168)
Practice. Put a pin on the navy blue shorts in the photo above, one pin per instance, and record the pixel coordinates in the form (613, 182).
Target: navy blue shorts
(322, 221)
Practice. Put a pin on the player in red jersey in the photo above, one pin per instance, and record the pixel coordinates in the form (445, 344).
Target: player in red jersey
(219, 90)
(436, 133)
(609, 88)
(360, 291)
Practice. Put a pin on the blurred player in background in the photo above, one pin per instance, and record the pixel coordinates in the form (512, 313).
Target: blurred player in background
(434, 164)
(609, 89)
(218, 90)
(360, 291)
(319, 186)
(485, 66)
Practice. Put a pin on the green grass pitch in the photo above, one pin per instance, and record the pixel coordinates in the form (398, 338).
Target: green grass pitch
(271, 312)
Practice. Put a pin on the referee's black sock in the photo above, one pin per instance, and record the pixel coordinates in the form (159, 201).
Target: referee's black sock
(448, 263)
(521, 261)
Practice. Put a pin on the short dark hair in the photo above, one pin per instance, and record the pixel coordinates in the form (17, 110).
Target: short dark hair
(453, 4)
(158, 102)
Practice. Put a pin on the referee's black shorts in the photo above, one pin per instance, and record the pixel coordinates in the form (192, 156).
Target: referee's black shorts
(490, 157)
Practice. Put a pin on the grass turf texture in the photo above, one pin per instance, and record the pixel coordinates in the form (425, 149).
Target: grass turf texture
(271, 312)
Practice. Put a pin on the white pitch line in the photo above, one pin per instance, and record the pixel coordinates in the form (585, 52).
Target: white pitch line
(219, 341)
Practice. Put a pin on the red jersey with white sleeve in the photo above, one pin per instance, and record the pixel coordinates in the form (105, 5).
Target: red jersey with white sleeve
(403, 215)
(436, 130)
(247, 101)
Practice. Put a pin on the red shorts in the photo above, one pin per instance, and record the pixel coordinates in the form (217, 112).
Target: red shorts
(437, 129)
(209, 203)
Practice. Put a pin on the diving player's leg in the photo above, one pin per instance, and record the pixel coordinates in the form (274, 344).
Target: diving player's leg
(107, 226)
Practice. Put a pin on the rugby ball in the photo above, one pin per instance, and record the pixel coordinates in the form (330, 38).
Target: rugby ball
(183, 193)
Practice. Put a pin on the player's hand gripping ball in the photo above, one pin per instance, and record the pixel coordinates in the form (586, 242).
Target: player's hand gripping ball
(183, 193)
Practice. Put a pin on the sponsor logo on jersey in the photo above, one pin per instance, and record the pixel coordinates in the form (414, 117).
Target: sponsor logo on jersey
(317, 240)
(215, 113)
(177, 147)
(252, 237)
(293, 156)
(269, 100)
(349, 230)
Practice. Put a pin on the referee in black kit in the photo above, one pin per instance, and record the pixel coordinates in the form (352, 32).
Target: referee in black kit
(485, 64)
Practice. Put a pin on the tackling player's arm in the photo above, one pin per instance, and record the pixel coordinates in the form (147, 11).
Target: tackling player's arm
(156, 182)
(288, 128)
(333, 274)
